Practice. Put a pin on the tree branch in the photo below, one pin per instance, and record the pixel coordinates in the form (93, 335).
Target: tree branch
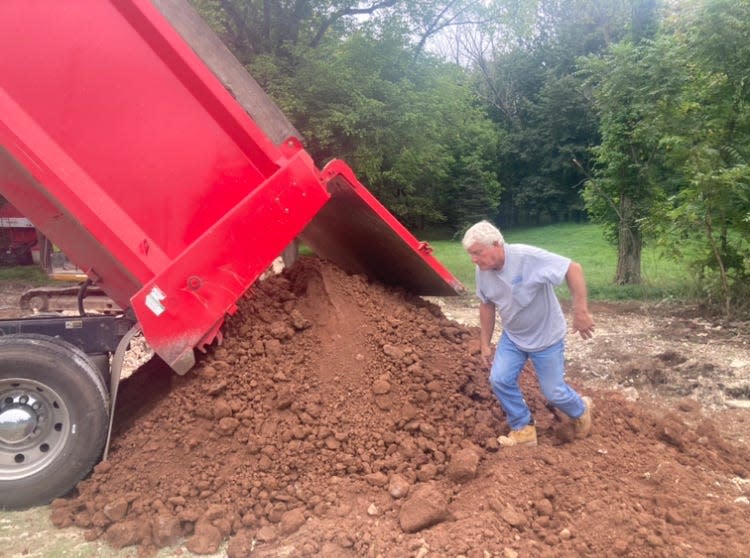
(348, 12)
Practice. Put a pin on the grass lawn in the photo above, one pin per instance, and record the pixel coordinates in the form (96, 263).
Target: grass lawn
(31, 275)
(662, 278)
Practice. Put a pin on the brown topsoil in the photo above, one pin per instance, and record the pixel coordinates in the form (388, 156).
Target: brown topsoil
(341, 418)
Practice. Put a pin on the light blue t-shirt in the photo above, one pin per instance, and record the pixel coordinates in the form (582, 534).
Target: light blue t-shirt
(523, 293)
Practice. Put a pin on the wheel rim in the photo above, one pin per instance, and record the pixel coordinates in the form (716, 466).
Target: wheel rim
(34, 427)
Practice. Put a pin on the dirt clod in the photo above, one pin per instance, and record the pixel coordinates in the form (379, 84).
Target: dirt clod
(427, 506)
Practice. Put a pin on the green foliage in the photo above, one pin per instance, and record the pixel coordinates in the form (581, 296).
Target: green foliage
(710, 149)
(710, 215)
(409, 127)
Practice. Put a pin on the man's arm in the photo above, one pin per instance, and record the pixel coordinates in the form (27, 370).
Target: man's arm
(486, 328)
(583, 322)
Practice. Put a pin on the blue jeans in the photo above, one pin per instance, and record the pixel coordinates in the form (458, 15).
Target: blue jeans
(550, 371)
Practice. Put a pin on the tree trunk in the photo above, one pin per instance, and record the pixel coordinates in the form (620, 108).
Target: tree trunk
(629, 246)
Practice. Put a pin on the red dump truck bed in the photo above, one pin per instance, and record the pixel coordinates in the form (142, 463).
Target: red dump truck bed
(136, 142)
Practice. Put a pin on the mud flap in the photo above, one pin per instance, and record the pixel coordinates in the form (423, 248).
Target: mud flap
(357, 233)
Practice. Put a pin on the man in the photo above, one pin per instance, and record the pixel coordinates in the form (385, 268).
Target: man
(519, 280)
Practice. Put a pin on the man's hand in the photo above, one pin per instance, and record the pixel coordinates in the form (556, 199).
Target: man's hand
(583, 323)
(486, 351)
(486, 327)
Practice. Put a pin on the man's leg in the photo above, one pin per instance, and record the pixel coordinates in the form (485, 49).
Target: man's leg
(506, 368)
(550, 370)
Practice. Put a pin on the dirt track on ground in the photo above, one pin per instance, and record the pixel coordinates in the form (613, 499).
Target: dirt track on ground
(343, 419)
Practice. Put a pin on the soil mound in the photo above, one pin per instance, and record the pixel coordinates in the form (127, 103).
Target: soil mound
(341, 418)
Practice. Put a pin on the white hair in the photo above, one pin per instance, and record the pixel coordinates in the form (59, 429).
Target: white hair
(484, 233)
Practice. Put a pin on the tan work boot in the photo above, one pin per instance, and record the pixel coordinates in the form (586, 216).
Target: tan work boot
(526, 436)
(583, 423)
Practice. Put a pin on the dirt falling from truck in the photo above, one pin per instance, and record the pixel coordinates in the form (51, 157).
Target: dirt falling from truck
(341, 418)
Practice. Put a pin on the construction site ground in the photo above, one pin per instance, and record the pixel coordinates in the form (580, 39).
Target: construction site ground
(344, 419)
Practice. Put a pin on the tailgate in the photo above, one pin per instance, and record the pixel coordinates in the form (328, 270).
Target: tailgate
(357, 233)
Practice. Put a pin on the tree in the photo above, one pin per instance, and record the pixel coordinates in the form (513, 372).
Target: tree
(631, 85)
(709, 143)
(622, 191)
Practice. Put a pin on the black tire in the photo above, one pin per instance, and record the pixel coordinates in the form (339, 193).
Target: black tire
(54, 415)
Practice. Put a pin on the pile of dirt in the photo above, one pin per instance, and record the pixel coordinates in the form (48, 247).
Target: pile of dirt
(344, 419)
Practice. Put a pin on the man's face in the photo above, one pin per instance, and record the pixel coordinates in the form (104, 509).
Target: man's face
(487, 257)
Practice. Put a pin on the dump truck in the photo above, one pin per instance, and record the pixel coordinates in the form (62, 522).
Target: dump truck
(136, 142)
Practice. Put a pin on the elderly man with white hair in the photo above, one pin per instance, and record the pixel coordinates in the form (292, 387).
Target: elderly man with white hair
(518, 281)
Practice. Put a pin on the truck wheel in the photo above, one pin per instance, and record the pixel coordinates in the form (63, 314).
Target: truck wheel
(54, 415)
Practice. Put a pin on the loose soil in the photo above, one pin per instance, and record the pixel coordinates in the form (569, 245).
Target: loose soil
(344, 419)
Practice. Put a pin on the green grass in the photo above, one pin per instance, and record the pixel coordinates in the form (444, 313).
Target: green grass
(662, 278)
(31, 275)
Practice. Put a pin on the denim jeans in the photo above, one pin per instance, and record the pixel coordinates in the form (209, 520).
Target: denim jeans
(550, 372)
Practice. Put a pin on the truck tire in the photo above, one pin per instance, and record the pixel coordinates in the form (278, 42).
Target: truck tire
(54, 415)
